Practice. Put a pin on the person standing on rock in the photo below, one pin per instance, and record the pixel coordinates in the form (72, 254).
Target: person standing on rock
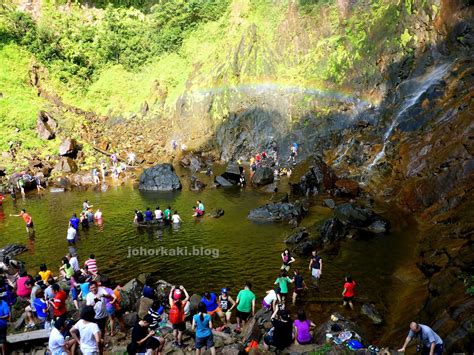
(349, 292)
(103, 169)
(95, 176)
(226, 304)
(177, 315)
(202, 322)
(245, 305)
(4, 317)
(28, 220)
(131, 158)
(97, 298)
(431, 342)
(316, 267)
(89, 332)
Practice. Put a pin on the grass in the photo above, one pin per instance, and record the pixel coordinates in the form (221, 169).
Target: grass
(19, 106)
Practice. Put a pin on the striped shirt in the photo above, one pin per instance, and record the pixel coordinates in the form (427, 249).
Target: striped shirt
(91, 266)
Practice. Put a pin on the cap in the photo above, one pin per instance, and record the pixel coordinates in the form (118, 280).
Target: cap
(224, 290)
(177, 294)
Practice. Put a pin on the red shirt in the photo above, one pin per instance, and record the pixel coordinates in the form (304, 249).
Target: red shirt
(349, 286)
(59, 303)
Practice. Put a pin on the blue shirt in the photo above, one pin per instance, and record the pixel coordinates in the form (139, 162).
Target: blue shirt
(84, 289)
(202, 328)
(211, 304)
(201, 207)
(40, 307)
(74, 222)
(427, 336)
(4, 311)
(148, 216)
(148, 292)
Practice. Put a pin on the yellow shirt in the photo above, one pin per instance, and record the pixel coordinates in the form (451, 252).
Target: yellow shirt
(45, 275)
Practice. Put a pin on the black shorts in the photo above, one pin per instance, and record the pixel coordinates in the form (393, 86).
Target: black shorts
(29, 225)
(180, 326)
(3, 335)
(243, 315)
(153, 343)
(299, 291)
(348, 299)
(102, 322)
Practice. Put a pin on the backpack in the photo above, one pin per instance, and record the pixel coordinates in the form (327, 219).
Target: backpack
(176, 315)
(124, 299)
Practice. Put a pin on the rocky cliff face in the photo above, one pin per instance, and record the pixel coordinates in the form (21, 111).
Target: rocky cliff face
(398, 119)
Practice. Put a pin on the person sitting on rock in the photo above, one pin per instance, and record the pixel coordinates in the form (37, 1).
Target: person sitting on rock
(282, 335)
(303, 328)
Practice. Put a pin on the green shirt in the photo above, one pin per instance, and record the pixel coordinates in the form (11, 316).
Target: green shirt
(167, 214)
(245, 298)
(283, 283)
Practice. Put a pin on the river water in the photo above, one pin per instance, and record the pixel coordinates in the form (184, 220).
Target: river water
(237, 249)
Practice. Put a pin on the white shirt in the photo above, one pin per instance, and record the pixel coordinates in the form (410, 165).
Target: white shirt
(98, 215)
(99, 307)
(74, 263)
(158, 214)
(176, 218)
(71, 233)
(87, 332)
(56, 342)
(270, 297)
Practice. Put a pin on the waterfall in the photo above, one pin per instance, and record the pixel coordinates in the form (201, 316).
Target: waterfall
(425, 82)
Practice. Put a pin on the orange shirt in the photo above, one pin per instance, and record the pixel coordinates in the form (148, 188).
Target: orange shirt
(26, 217)
(119, 299)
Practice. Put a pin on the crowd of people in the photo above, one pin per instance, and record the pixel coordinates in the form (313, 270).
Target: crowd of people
(53, 296)
(168, 216)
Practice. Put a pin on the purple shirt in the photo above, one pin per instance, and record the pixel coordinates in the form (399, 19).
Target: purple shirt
(304, 336)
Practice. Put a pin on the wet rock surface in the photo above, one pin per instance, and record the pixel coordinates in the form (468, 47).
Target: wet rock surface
(275, 212)
(263, 176)
(159, 178)
(318, 178)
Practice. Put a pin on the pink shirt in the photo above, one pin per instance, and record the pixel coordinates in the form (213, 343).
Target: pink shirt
(21, 289)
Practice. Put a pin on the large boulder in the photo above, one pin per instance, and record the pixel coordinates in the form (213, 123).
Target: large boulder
(274, 212)
(354, 215)
(332, 230)
(196, 184)
(66, 165)
(263, 176)
(161, 177)
(232, 173)
(346, 188)
(297, 237)
(222, 181)
(318, 178)
(46, 126)
(68, 148)
(216, 213)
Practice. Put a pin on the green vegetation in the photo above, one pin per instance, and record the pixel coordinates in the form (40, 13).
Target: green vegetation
(19, 104)
(111, 56)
